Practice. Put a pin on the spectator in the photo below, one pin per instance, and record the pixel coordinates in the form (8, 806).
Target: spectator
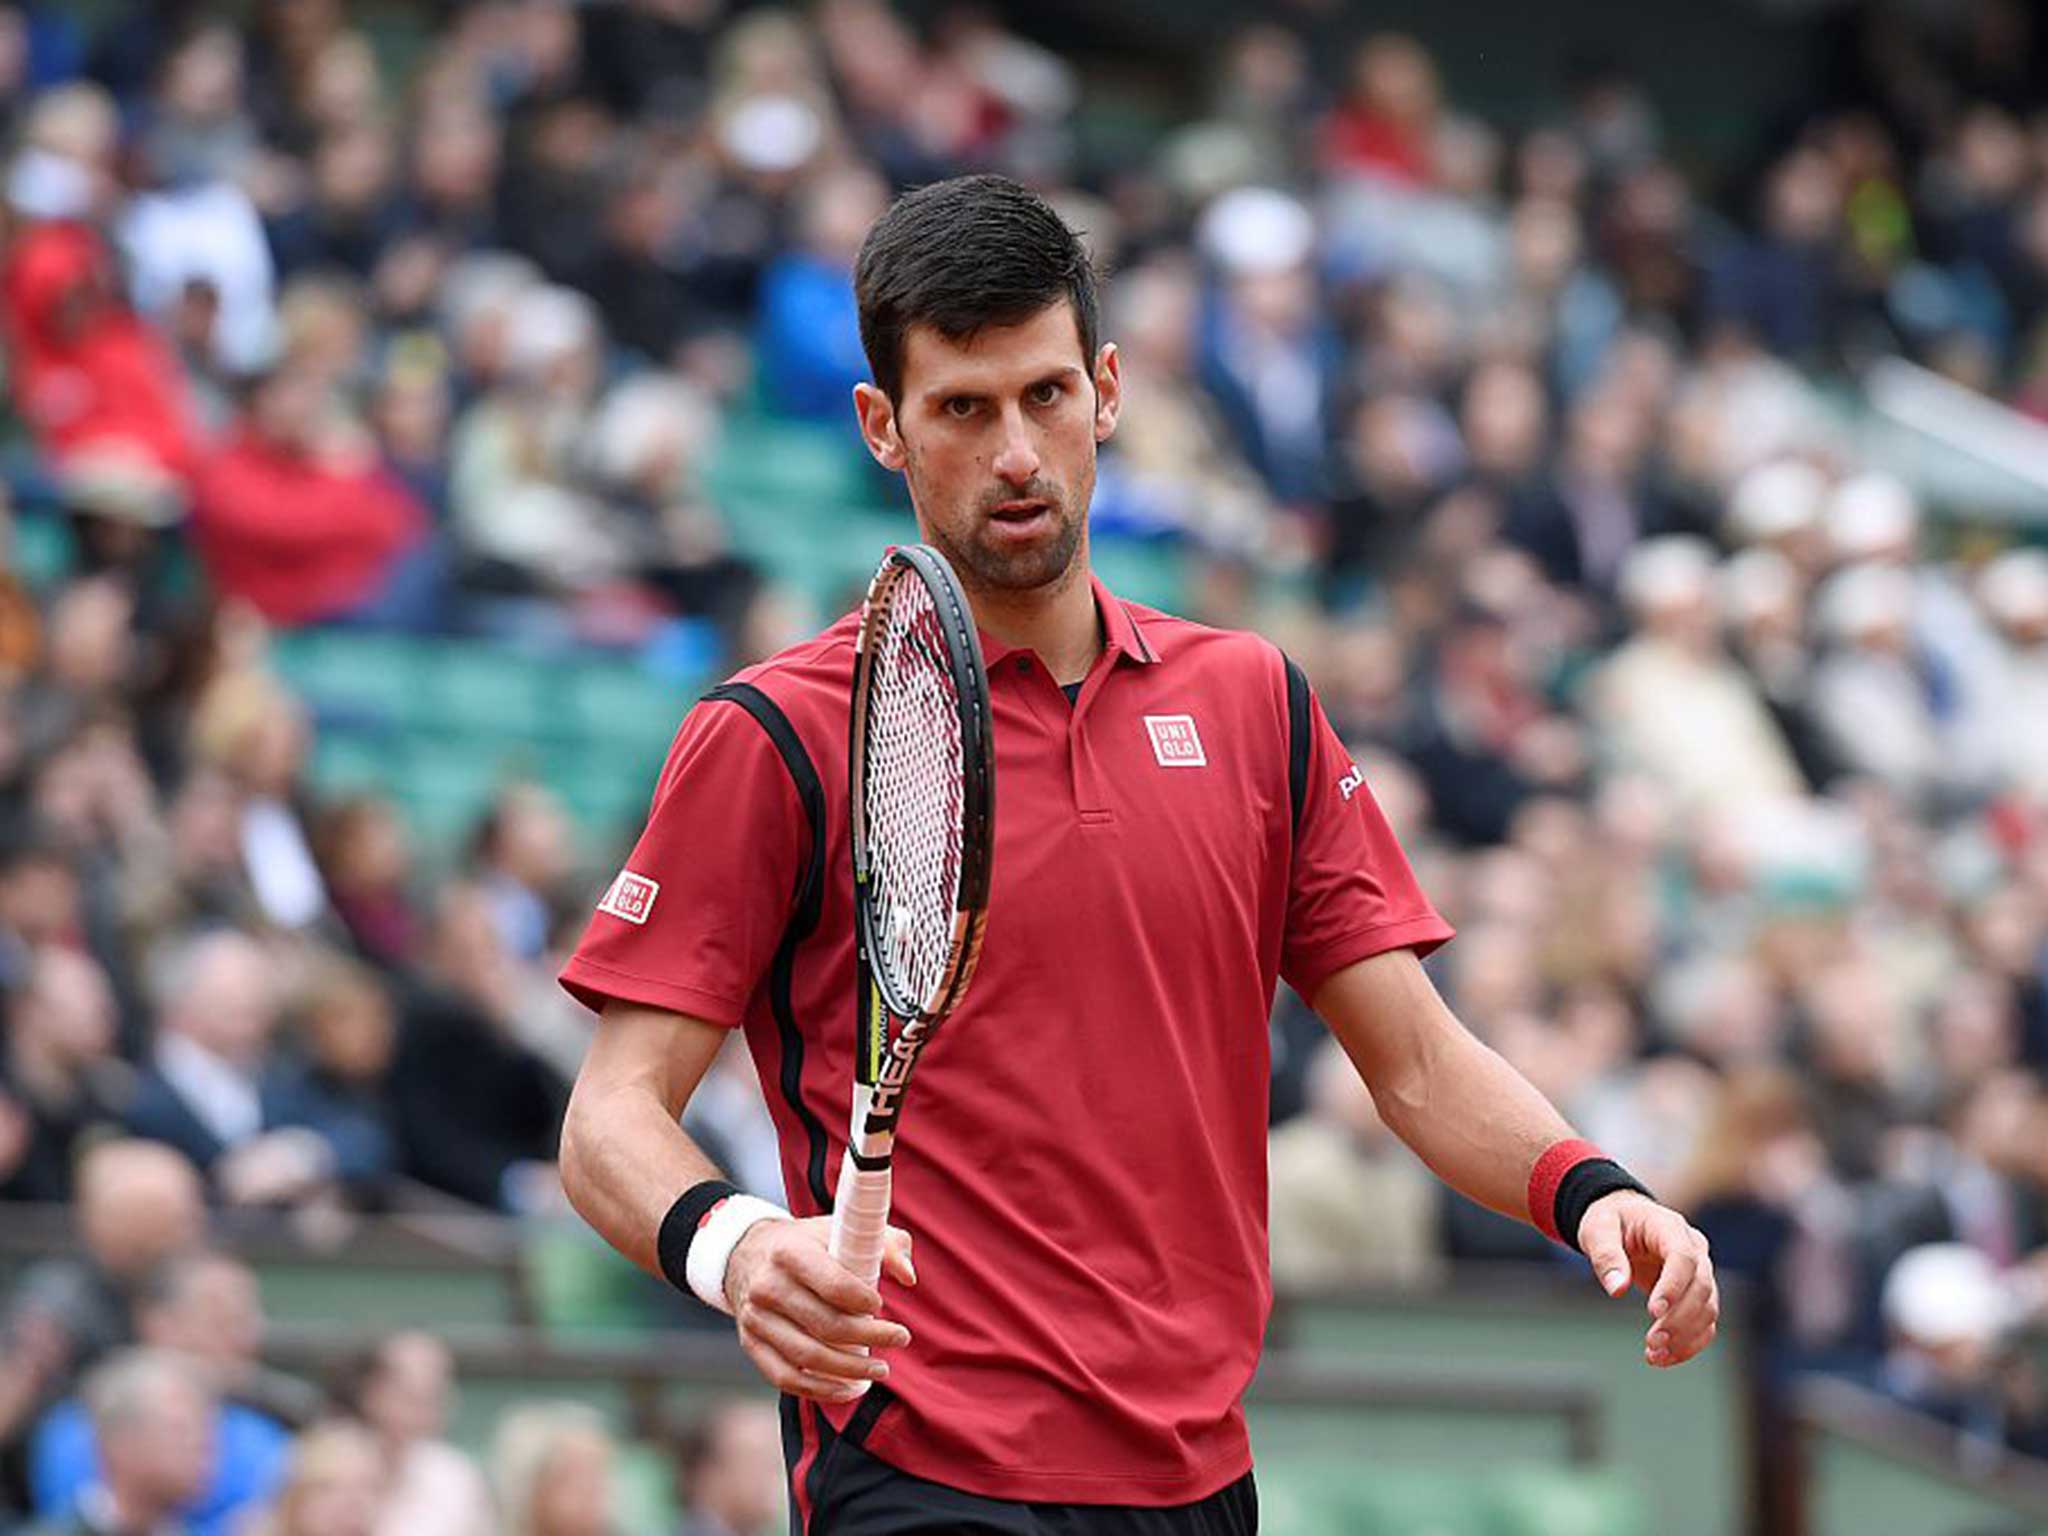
(178, 1314)
(809, 335)
(1949, 1318)
(1351, 1205)
(295, 516)
(366, 865)
(399, 1390)
(98, 388)
(248, 726)
(522, 853)
(1386, 124)
(553, 1466)
(1658, 694)
(333, 1485)
(479, 1114)
(59, 1067)
(153, 1419)
(216, 1090)
(728, 1478)
(137, 1204)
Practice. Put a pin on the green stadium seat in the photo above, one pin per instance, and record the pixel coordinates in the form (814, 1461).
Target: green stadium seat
(1149, 571)
(801, 464)
(621, 704)
(354, 677)
(483, 691)
(350, 761)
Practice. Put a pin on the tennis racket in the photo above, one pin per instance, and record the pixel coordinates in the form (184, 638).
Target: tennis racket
(921, 772)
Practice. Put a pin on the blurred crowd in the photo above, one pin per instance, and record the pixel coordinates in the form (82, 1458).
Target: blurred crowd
(1727, 753)
(137, 1393)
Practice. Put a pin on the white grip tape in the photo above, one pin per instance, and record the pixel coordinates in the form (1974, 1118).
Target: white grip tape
(860, 1218)
(711, 1249)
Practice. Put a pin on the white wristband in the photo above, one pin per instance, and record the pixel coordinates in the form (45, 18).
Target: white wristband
(711, 1249)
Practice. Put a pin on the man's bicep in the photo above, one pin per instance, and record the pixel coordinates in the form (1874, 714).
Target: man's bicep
(652, 1049)
(1390, 1019)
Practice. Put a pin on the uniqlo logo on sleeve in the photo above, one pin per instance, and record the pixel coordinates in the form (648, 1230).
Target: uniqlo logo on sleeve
(631, 897)
(1175, 742)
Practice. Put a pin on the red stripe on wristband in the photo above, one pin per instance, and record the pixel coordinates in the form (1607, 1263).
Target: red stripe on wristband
(1557, 1161)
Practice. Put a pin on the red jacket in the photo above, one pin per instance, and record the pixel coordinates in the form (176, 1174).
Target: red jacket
(301, 540)
(86, 370)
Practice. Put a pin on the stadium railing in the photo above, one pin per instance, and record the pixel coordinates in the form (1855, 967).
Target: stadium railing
(1871, 1465)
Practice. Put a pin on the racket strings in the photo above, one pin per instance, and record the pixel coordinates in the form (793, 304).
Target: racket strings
(913, 796)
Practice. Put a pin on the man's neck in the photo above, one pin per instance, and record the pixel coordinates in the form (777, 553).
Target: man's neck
(1058, 622)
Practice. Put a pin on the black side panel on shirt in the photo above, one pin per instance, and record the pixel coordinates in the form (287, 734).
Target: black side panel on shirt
(810, 898)
(1298, 743)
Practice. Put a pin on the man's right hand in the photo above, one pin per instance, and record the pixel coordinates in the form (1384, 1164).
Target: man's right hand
(802, 1314)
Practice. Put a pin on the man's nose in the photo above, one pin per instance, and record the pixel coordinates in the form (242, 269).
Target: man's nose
(1017, 459)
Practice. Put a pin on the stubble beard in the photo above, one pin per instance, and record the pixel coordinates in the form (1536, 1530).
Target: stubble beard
(982, 562)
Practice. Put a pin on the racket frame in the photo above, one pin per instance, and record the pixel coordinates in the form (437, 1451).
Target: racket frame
(883, 1065)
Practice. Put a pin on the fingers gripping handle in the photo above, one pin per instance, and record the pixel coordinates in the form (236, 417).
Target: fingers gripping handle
(860, 1218)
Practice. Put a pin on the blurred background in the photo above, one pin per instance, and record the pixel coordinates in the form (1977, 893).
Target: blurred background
(1634, 418)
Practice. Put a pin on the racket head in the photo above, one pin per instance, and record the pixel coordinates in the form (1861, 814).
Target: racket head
(922, 793)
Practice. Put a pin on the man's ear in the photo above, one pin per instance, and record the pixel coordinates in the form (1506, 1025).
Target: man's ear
(878, 426)
(1109, 390)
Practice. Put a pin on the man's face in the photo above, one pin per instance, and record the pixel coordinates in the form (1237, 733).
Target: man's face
(997, 437)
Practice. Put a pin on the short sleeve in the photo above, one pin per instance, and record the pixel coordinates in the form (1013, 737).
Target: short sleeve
(1350, 891)
(692, 922)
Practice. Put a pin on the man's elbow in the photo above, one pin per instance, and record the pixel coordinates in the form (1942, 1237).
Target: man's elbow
(576, 1157)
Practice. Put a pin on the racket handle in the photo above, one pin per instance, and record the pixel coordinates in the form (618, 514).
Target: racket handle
(860, 1218)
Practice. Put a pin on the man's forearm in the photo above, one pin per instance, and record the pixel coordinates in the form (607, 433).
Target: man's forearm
(624, 1161)
(1476, 1121)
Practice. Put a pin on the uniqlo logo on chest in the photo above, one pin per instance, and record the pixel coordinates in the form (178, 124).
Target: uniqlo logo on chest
(631, 897)
(1175, 741)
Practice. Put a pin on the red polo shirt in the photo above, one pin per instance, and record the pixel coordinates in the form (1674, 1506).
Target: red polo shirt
(1082, 1157)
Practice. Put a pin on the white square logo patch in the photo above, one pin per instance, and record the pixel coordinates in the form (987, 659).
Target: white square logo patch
(631, 897)
(1175, 741)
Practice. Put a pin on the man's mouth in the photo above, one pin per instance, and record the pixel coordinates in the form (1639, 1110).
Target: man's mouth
(1020, 513)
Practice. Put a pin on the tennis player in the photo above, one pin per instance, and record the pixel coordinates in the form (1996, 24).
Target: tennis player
(1082, 1160)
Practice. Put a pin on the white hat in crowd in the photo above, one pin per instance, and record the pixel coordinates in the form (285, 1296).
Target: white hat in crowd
(1775, 500)
(1871, 516)
(1946, 1293)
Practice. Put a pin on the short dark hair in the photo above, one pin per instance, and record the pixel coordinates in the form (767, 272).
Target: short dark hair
(962, 255)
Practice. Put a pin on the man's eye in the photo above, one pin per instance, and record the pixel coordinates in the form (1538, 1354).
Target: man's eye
(960, 405)
(1044, 394)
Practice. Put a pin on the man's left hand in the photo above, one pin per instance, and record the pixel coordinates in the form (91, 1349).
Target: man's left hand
(1630, 1237)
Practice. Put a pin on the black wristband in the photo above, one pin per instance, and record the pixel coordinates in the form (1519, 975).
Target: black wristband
(679, 1228)
(1581, 1186)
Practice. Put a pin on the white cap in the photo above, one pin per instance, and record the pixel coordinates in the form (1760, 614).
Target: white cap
(1662, 572)
(545, 325)
(1946, 1293)
(43, 185)
(1254, 230)
(772, 133)
(1864, 598)
(1775, 499)
(2014, 587)
(1871, 514)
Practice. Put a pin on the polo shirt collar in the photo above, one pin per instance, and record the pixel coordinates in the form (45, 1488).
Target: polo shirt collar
(1123, 638)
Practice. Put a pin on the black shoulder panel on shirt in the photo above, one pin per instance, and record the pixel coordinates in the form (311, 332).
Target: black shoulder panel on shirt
(1298, 743)
(810, 898)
